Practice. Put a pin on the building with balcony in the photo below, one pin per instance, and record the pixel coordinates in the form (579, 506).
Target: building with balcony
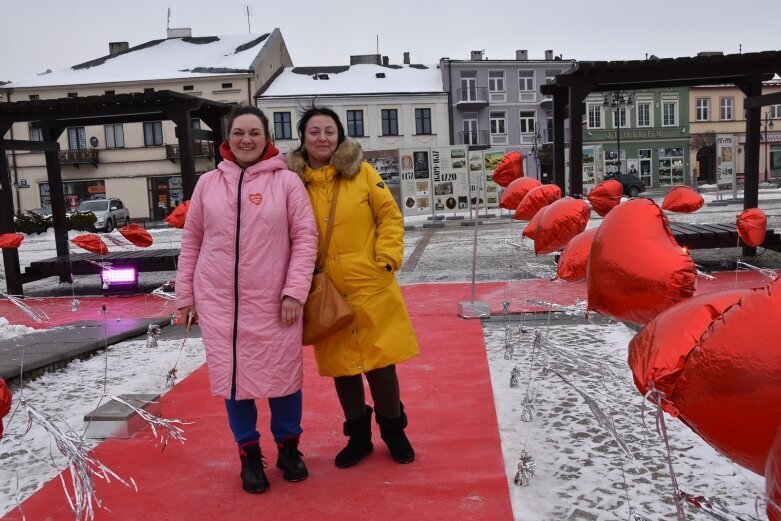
(382, 106)
(719, 109)
(646, 132)
(498, 102)
(138, 162)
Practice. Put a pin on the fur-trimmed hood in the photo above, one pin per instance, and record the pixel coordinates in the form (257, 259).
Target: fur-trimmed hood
(347, 159)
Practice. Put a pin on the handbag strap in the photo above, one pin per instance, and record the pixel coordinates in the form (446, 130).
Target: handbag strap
(329, 227)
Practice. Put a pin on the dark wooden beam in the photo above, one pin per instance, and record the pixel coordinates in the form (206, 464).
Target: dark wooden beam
(186, 160)
(13, 272)
(576, 97)
(764, 100)
(560, 101)
(54, 174)
(37, 146)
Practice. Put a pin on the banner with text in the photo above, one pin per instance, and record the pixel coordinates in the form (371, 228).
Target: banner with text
(450, 179)
(415, 181)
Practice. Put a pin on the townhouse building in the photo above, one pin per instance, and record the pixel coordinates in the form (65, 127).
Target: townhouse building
(138, 162)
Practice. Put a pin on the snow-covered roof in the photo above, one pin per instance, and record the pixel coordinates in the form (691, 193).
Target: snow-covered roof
(172, 58)
(356, 79)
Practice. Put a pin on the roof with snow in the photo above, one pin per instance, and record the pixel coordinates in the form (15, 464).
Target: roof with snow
(356, 79)
(168, 59)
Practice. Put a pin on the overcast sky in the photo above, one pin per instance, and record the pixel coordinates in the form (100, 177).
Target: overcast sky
(55, 34)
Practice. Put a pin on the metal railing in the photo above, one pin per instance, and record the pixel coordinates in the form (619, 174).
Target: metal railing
(202, 149)
(473, 95)
(479, 138)
(84, 156)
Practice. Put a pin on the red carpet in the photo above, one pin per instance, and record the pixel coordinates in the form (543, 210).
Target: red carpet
(458, 474)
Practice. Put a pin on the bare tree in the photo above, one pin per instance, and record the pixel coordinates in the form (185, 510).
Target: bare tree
(706, 139)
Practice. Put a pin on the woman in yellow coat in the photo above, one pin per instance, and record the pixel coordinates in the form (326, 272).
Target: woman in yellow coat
(366, 249)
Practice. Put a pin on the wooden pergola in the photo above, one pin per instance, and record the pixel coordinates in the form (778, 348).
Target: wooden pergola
(570, 89)
(55, 115)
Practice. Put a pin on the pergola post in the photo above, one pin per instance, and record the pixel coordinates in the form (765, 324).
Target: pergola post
(181, 119)
(576, 97)
(54, 175)
(559, 115)
(13, 282)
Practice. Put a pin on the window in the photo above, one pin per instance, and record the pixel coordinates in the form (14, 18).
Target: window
(153, 133)
(73, 94)
(77, 138)
(109, 93)
(528, 118)
(355, 123)
(669, 113)
(149, 89)
(470, 135)
(36, 134)
(550, 76)
(525, 80)
(670, 166)
(498, 122)
(643, 114)
(619, 112)
(227, 85)
(282, 126)
(702, 112)
(496, 81)
(594, 116)
(188, 87)
(422, 121)
(195, 124)
(725, 105)
(34, 97)
(468, 86)
(390, 122)
(115, 136)
(775, 111)
(645, 165)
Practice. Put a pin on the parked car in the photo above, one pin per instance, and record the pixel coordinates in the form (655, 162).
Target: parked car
(110, 213)
(631, 183)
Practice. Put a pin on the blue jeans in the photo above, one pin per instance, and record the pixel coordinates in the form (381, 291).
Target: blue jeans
(285, 418)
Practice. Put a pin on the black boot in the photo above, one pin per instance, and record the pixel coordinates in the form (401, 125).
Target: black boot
(392, 433)
(253, 478)
(360, 444)
(289, 460)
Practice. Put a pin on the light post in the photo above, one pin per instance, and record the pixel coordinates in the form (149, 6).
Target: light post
(767, 123)
(617, 101)
(536, 152)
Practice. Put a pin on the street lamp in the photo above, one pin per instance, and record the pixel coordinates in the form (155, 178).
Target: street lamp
(617, 101)
(767, 123)
(535, 152)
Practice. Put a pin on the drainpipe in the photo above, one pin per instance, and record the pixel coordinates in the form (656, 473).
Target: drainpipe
(450, 101)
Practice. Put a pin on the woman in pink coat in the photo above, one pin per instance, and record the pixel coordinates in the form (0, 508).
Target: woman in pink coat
(245, 267)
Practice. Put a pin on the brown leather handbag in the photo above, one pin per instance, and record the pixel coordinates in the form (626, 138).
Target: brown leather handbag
(325, 311)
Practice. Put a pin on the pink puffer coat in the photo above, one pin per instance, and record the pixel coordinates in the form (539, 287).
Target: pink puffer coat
(249, 240)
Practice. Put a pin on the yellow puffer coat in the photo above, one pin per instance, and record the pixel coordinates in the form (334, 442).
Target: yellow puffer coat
(368, 233)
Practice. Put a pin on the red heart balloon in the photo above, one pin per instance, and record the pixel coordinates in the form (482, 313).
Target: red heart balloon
(509, 169)
(11, 240)
(562, 220)
(5, 403)
(773, 480)
(574, 259)
(752, 226)
(137, 235)
(605, 196)
(516, 191)
(729, 391)
(636, 270)
(91, 243)
(537, 197)
(530, 230)
(682, 199)
(178, 216)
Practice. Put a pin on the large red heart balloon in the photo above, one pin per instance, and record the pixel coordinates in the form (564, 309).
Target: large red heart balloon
(605, 196)
(5, 403)
(509, 169)
(752, 226)
(516, 191)
(729, 391)
(91, 243)
(636, 270)
(574, 259)
(537, 197)
(137, 235)
(562, 220)
(682, 199)
(530, 230)
(773, 480)
(11, 240)
(179, 215)
(658, 352)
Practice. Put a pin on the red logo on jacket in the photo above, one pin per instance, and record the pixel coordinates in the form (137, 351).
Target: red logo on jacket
(255, 198)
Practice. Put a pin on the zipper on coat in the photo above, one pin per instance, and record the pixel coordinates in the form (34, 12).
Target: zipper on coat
(236, 286)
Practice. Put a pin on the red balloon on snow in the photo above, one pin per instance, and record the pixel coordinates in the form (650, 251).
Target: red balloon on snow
(682, 199)
(179, 215)
(530, 230)
(91, 243)
(636, 269)
(11, 240)
(137, 235)
(516, 191)
(509, 169)
(752, 226)
(5, 403)
(562, 221)
(729, 391)
(773, 480)
(605, 196)
(537, 198)
(573, 262)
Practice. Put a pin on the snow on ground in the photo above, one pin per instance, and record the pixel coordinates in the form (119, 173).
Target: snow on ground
(581, 473)
(11, 330)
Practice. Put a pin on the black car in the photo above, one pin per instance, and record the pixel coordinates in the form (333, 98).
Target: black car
(631, 183)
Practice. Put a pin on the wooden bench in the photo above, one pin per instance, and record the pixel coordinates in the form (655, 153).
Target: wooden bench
(717, 235)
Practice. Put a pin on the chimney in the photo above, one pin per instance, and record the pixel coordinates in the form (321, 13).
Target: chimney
(477, 56)
(549, 55)
(117, 47)
(406, 58)
(385, 61)
(522, 55)
(182, 32)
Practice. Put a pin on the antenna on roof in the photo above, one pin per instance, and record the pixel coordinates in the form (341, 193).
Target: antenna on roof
(249, 28)
(168, 22)
(378, 44)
